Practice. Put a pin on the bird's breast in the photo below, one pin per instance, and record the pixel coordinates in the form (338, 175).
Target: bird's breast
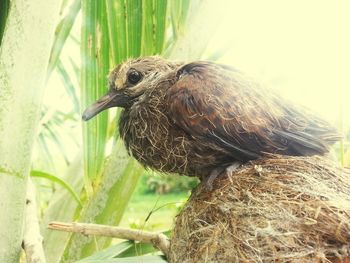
(150, 137)
(155, 141)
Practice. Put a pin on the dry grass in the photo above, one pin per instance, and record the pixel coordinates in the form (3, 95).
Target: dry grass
(281, 209)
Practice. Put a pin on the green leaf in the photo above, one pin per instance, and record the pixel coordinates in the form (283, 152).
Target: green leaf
(55, 138)
(95, 67)
(134, 27)
(117, 30)
(119, 180)
(143, 259)
(160, 24)
(62, 207)
(64, 4)
(147, 28)
(4, 10)
(179, 13)
(124, 252)
(62, 32)
(191, 43)
(109, 253)
(76, 69)
(55, 179)
(138, 249)
(50, 131)
(69, 87)
(41, 140)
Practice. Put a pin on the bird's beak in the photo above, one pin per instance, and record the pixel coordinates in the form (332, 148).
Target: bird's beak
(113, 98)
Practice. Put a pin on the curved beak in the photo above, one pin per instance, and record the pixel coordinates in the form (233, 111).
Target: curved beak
(113, 98)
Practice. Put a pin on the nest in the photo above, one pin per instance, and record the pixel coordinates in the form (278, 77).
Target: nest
(281, 209)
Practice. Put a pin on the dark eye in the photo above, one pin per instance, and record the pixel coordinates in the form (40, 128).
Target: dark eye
(134, 76)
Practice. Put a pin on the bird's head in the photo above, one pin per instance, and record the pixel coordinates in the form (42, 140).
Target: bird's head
(128, 81)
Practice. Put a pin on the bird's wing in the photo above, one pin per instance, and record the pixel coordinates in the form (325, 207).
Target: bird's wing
(215, 104)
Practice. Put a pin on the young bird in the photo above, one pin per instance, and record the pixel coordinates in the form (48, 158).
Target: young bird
(199, 118)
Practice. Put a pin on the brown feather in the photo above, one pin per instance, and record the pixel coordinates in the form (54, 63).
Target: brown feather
(192, 118)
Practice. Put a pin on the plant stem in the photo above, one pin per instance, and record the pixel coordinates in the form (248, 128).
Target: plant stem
(158, 240)
(32, 239)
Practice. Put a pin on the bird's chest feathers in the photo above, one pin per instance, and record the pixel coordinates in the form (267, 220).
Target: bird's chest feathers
(150, 136)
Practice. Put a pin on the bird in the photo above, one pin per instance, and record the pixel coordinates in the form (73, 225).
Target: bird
(200, 118)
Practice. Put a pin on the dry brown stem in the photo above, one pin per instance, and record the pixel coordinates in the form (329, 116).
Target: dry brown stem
(158, 240)
(32, 239)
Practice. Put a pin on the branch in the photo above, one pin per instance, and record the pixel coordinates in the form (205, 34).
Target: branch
(32, 239)
(158, 240)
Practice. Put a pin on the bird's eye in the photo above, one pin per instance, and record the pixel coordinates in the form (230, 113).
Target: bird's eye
(134, 77)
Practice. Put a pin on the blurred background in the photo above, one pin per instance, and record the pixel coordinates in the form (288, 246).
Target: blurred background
(299, 48)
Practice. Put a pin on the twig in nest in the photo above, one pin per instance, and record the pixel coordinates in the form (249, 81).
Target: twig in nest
(158, 240)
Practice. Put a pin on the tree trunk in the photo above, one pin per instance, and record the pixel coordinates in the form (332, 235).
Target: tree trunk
(24, 55)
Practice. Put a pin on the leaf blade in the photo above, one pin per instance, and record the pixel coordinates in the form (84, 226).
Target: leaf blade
(62, 32)
(55, 179)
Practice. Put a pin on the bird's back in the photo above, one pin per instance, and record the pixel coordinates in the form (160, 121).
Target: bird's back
(218, 104)
(203, 115)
